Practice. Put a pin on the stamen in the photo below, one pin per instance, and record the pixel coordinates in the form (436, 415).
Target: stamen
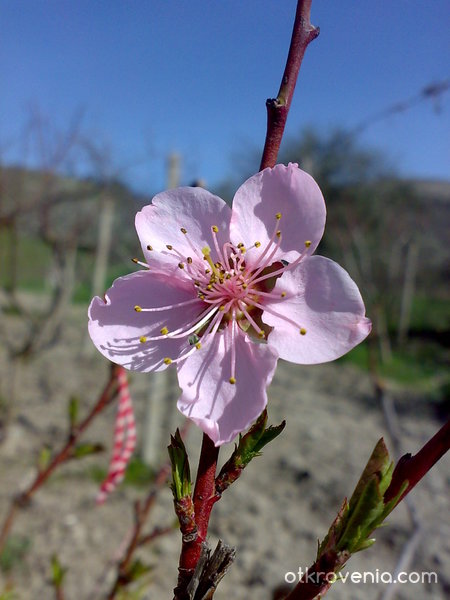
(142, 264)
(257, 244)
(215, 228)
(232, 380)
(278, 216)
(183, 230)
(149, 248)
(308, 243)
(180, 265)
(169, 247)
(138, 308)
(207, 256)
(143, 339)
(164, 331)
(168, 361)
(302, 331)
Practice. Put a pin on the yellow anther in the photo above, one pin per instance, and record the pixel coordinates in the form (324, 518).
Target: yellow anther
(222, 307)
(240, 245)
(243, 250)
(308, 243)
(138, 308)
(169, 247)
(261, 333)
(278, 233)
(244, 286)
(202, 297)
(197, 283)
(168, 360)
(283, 294)
(209, 286)
(257, 244)
(143, 339)
(217, 265)
(135, 260)
(232, 380)
(183, 230)
(278, 216)
(189, 260)
(149, 248)
(302, 331)
(215, 228)
(180, 265)
(198, 345)
(164, 331)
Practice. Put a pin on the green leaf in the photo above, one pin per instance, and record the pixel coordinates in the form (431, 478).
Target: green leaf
(181, 474)
(86, 449)
(44, 458)
(58, 572)
(73, 411)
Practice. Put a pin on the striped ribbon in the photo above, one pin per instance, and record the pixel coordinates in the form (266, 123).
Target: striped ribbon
(124, 439)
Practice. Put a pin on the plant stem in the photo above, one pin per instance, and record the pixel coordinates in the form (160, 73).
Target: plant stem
(23, 499)
(278, 108)
(205, 496)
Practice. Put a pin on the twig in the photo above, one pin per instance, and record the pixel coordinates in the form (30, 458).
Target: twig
(278, 108)
(24, 498)
(205, 496)
(409, 469)
(141, 514)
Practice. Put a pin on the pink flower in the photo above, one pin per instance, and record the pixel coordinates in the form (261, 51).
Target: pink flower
(225, 293)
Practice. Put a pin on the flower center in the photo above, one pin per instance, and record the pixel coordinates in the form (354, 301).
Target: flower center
(233, 293)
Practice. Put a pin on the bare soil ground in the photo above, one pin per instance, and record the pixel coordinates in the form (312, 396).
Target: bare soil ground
(273, 515)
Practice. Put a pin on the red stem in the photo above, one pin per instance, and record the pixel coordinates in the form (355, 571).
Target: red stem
(205, 497)
(278, 108)
(413, 468)
(409, 468)
(63, 455)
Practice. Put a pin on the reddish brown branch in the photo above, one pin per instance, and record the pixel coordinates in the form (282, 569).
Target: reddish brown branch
(409, 468)
(205, 496)
(413, 468)
(24, 498)
(141, 514)
(278, 108)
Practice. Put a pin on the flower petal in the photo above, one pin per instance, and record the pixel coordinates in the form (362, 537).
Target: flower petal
(116, 328)
(194, 209)
(286, 190)
(323, 299)
(219, 408)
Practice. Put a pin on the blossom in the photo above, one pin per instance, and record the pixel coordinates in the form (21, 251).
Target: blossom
(226, 292)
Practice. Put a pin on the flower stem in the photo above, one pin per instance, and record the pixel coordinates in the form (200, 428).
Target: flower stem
(205, 496)
(278, 108)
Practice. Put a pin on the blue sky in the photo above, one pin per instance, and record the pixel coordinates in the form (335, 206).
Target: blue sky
(192, 76)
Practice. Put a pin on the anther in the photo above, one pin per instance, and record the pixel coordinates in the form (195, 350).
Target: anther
(189, 260)
(257, 244)
(261, 333)
(232, 380)
(168, 360)
(215, 228)
(278, 216)
(135, 260)
(149, 248)
(164, 331)
(222, 307)
(143, 339)
(302, 331)
(283, 294)
(244, 286)
(209, 286)
(240, 245)
(180, 265)
(183, 230)
(138, 308)
(169, 247)
(278, 233)
(308, 243)
(198, 345)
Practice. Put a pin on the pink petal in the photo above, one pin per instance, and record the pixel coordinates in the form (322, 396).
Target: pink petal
(219, 408)
(286, 190)
(323, 299)
(194, 209)
(115, 327)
